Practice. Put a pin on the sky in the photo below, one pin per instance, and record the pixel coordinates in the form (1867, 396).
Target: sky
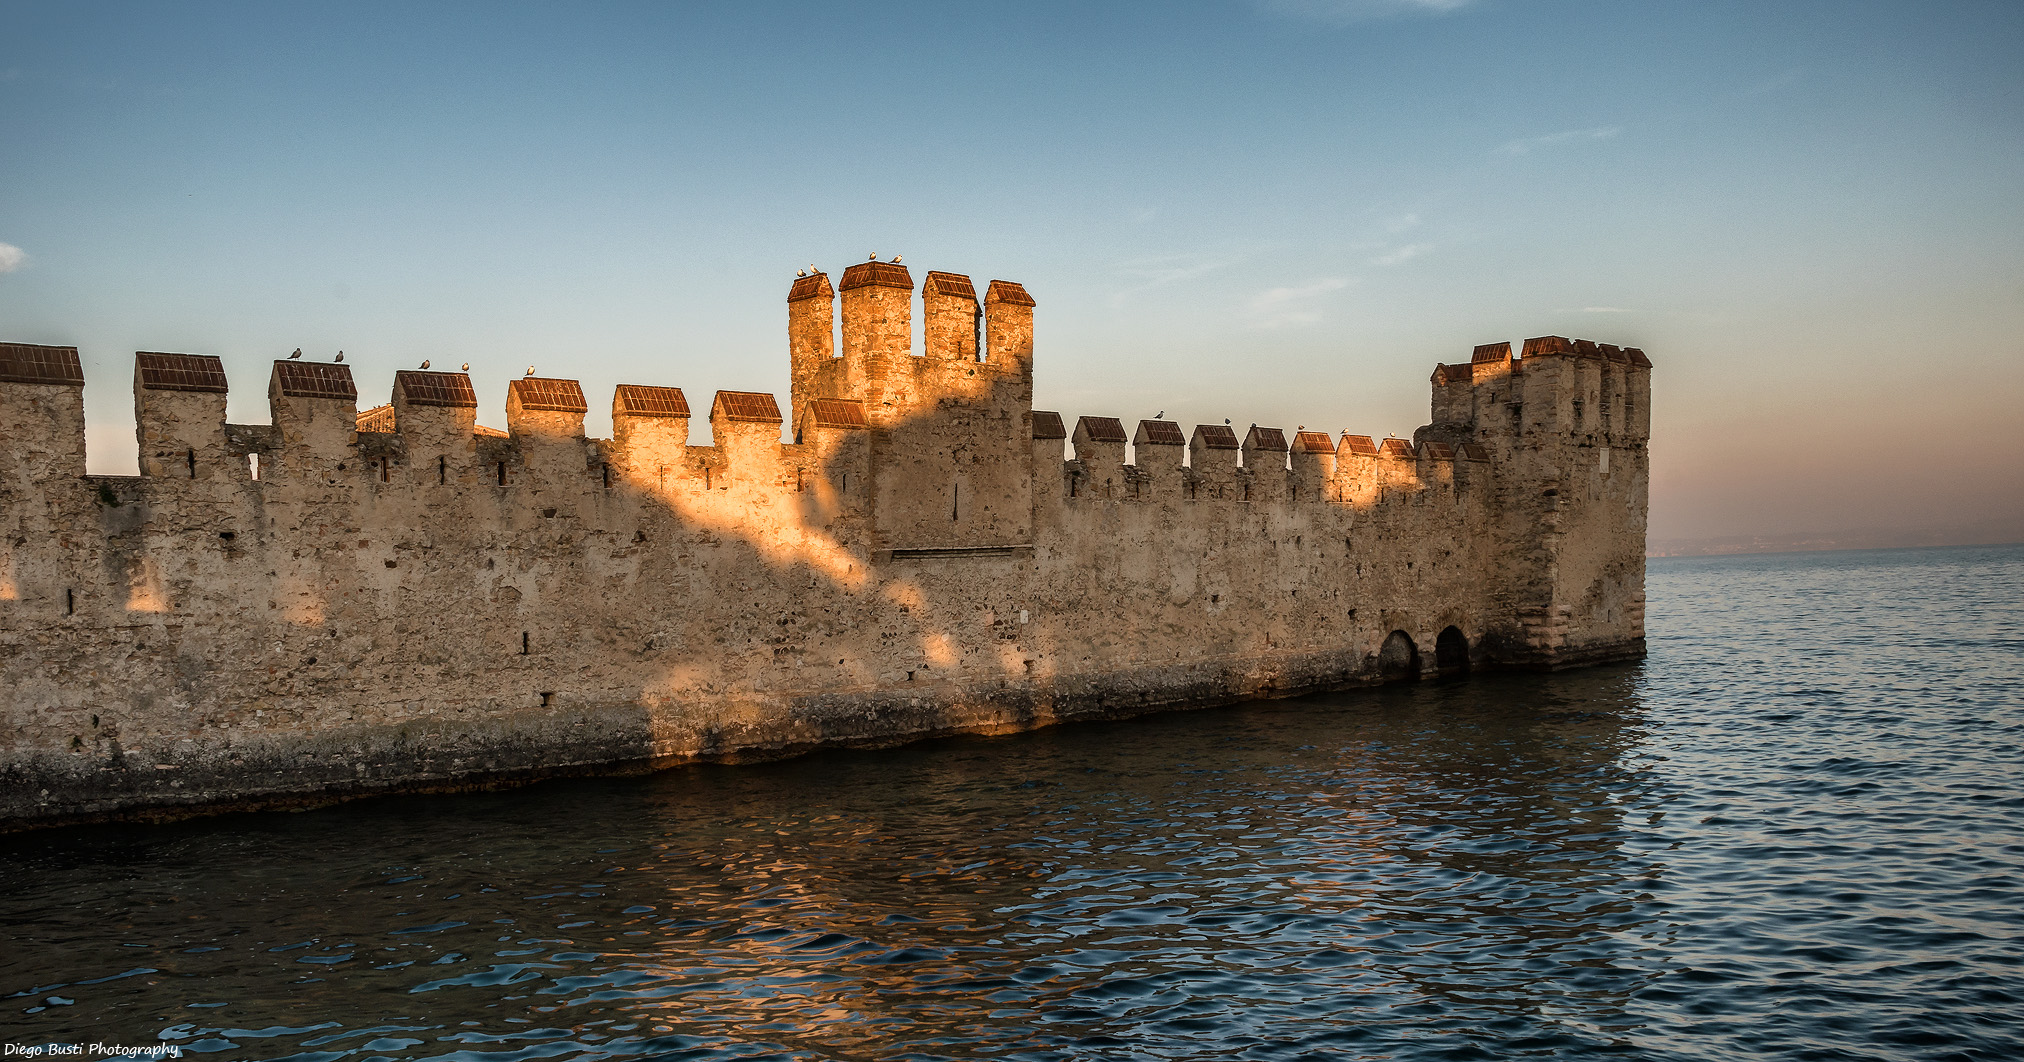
(1809, 214)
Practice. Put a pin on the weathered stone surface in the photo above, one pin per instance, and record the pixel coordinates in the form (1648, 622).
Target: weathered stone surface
(303, 612)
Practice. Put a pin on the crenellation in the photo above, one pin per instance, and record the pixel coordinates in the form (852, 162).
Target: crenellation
(919, 558)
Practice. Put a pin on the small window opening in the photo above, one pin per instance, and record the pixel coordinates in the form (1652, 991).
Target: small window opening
(547, 698)
(525, 644)
(706, 477)
(502, 473)
(70, 609)
(442, 470)
(253, 465)
(606, 469)
(955, 501)
(192, 456)
(1074, 482)
(386, 469)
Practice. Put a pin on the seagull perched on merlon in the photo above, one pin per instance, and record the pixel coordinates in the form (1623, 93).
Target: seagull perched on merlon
(1161, 415)
(896, 259)
(425, 363)
(297, 354)
(530, 370)
(467, 366)
(801, 273)
(1226, 420)
(340, 355)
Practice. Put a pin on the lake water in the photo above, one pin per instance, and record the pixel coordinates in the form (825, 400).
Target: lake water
(1795, 832)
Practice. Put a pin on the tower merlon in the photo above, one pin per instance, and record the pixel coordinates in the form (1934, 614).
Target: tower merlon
(1264, 449)
(1099, 443)
(543, 408)
(1213, 448)
(949, 317)
(649, 433)
(41, 413)
(179, 414)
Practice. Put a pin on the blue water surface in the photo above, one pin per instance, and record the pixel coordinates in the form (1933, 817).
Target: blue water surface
(1795, 832)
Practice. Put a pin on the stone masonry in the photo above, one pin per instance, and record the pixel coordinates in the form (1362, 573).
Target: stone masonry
(338, 604)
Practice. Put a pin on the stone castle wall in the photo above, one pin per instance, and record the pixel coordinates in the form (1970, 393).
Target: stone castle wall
(314, 609)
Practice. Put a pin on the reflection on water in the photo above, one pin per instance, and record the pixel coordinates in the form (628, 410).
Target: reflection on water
(1794, 832)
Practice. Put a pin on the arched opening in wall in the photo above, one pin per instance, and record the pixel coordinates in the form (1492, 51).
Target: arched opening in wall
(1398, 660)
(1451, 652)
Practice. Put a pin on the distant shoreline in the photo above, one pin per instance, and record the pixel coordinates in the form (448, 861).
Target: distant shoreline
(1728, 547)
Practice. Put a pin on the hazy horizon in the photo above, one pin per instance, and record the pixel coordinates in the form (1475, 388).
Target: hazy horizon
(1284, 212)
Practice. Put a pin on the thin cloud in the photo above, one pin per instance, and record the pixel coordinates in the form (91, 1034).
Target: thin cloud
(1279, 307)
(1524, 147)
(1344, 12)
(1404, 254)
(11, 258)
(1150, 273)
(1604, 309)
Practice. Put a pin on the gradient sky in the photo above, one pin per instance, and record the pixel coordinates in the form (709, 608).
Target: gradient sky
(1810, 215)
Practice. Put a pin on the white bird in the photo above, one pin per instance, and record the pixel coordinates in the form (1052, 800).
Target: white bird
(340, 355)
(297, 354)
(467, 366)
(425, 363)
(896, 259)
(530, 370)
(802, 273)
(812, 270)
(872, 257)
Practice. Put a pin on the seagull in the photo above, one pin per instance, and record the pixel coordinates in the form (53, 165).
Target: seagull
(340, 355)
(467, 366)
(812, 270)
(802, 273)
(425, 363)
(530, 370)
(872, 257)
(297, 354)
(896, 259)
(1226, 420)
(1161, 415)
(1300, 427)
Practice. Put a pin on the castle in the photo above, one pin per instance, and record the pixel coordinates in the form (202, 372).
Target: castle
(341, 603)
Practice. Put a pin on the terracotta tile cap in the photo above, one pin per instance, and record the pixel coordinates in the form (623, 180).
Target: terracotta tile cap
(1048, 425)
(939, 283)
(1159, 433)
(1437, 451)
(837, 413)
(877, 275)
(811, 286)
(645, 400)
(1271, 440)
(181, 372)
(315, 379)
(1313, 442)
(1359, 444)
(451, 390)
(754, 407)
(1100, 429)
(1491, 352)
(1217, 437)
(1543, 345)
(1007, 292)
(32, 363)
(1396, 448)
(557, 396)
